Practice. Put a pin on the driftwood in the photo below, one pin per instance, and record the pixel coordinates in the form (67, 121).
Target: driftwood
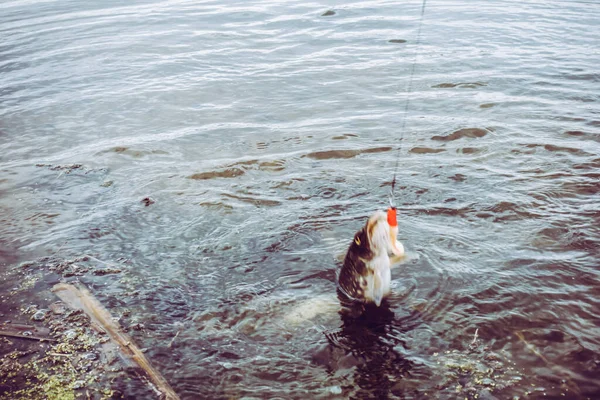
(22, 331)
(79, 298)
(14, 334)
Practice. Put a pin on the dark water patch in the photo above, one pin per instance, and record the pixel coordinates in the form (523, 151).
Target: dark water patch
(328, 13)
(97, 233)
(525, 152)
(359, 195)
(425, 150)
(464, 85)
(593, 164)
(66, 168)
(272, 166)
(584, 135)
(458, 177)
(295, 236)
(259, 202)
(575, 133)
(47, 218)
(147, 201)
(484, 215)
(462, 133)
(487, 105)
(328, 193)
(509, 211)
(217, 206)
(591, 175)
(447, 211)
(396, 41)
(247, 165)
(339, 154)
(300, 198)
(581, 188)
(583, 77)
(243, 163)
(554, 148)
(565, 239)
(287, 183)
(244, 292)
(227, 173)
(541, 173)
(133, 153)
(469, 150)
(594, 123)
(296, 139)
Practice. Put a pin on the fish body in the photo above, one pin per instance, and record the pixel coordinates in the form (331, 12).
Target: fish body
(365, 275)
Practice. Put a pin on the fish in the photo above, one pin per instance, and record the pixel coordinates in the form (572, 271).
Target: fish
(365, 275)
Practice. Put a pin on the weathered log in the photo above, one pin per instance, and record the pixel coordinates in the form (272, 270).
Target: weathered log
(78, 297)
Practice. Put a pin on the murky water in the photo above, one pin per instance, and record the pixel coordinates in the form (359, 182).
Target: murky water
(266, 133)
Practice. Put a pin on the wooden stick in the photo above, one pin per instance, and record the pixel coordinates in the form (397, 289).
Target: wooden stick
(21, 336)
(78, 297)
(530, 347)
(175, 337)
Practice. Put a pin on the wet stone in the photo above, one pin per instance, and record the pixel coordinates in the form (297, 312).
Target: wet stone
(78, 384)
(30, 309)
(137, 327)
(90, 356)
(40, 315)
(58, 308)
(70, 334)
(335, 390)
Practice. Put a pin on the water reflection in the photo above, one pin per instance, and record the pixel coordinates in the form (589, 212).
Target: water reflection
(371, 339)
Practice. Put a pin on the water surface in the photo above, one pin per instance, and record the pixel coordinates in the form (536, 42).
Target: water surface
(266, 133)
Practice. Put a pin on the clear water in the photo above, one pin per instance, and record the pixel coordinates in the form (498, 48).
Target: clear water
(266, 134)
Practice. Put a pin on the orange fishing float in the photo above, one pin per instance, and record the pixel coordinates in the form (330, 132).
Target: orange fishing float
(391, 217)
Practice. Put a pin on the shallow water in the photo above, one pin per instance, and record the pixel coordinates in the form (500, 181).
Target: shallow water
(266, 133)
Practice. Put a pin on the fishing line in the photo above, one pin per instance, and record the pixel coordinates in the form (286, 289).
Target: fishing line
(407, 104)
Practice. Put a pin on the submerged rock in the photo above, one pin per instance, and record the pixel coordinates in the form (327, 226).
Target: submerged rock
(40, 315)
(70, 334)
(58, 308)
(90, 356)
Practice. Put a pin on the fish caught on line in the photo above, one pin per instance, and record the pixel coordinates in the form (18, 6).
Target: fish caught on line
(365, 275)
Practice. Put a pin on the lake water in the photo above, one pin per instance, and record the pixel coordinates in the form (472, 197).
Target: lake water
(266, 133)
